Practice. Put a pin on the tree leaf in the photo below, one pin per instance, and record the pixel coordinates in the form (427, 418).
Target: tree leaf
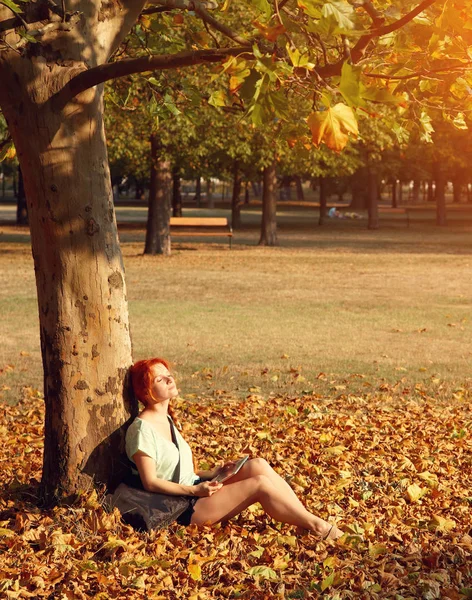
(262, 572)
(414, 492)
(333, 126)
(11, 5)
(438, 523)
(195, 571)
(217, 98)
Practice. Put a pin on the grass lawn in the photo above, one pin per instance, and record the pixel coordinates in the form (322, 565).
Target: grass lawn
(340, 301)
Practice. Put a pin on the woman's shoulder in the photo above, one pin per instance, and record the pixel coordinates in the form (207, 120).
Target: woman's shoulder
(138, 425)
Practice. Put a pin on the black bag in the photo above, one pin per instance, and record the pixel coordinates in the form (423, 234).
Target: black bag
(148, 510)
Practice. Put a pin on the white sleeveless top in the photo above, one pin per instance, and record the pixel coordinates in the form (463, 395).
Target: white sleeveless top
(142, 436)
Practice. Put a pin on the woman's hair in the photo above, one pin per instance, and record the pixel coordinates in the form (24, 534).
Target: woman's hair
(142, 379)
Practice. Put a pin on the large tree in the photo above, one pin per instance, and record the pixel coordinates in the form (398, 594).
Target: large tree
(54, 59)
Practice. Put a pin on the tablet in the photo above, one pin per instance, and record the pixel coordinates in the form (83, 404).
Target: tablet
(226, 473)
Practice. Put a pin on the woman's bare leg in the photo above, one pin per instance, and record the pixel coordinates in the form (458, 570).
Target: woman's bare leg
(259, 466)
(234, 497)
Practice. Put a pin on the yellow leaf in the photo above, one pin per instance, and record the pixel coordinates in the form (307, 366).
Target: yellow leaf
(195, 571)
(335, 450)
(333, 126)
(430, 479)
(438, 523)
(6, 532)
(414, 492)
(377, 550)
(139, 583)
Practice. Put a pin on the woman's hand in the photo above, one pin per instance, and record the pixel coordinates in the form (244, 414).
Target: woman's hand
(206, 488)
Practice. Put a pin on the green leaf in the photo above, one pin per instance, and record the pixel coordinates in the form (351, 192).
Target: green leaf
(336, 17)
(327, 581)
(11, 5)
(264, 7)
(217, 98)
(426, 127)
(28, 36)
(350, 86)
(381, 95)
(262, 572)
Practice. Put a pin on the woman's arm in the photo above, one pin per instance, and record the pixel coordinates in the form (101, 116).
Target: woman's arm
(147, 472)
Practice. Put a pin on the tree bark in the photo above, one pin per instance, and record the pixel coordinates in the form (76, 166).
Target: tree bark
(400, 192)
(176, 193)
(300, 192)
(373, 206)
(83, 311)
(416, 191)
(394, 193)
(198, 191)
(209, 194)
(359, 187)
(236, 198)
(430, 191)
(21, 206)
(440, 197)
(158, 222)
(269, 207)
(323, 201)
(457, 187)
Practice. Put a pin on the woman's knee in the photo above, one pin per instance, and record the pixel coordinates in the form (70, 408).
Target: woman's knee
(258, 466)
(262, 484)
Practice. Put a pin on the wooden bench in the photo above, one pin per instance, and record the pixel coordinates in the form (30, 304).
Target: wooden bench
(401, 210)
(205, 226)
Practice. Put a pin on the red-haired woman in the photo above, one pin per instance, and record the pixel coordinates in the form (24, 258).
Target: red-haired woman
(150, 447)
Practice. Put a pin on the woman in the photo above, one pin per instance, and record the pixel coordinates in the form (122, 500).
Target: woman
(150, 447)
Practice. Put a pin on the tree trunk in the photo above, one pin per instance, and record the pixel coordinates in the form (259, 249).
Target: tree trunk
(158, 222)
(430, 191)
(440, 197)
(394, 193)
(457, 191)
(359, 187)
(83, 312)
(209, 194)
(300, 192)
(373, 206)
(21, 206)
(416, 191)
(198, 191)
(323, 201)
(176, 193)
(246, 192)
(400, 192)
(269, 207)
(235, 198)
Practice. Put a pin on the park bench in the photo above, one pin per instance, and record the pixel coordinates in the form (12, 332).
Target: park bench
(401, 210)
(205, 226)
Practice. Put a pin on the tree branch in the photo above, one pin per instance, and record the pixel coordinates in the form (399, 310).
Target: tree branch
(224, 29)
(426, 73)
(359, 49)
(92, 77)
(200, 8)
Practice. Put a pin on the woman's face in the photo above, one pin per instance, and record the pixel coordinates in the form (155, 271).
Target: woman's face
(163, 384)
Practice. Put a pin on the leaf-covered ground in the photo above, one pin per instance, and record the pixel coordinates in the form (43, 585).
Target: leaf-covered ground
(393, 468)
